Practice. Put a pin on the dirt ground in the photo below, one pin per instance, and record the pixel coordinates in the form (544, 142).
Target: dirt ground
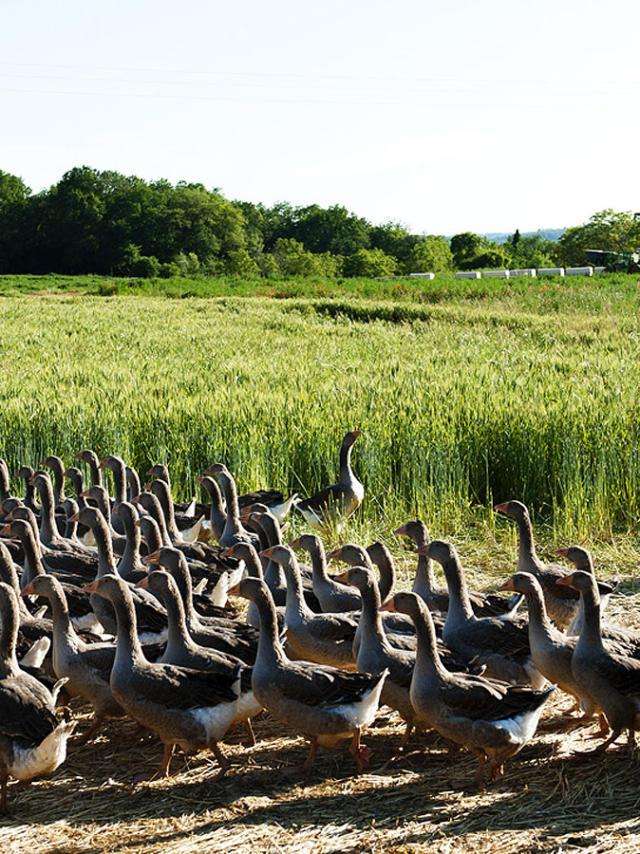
(551, 799)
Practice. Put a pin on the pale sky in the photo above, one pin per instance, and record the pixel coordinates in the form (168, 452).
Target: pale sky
(446, 116)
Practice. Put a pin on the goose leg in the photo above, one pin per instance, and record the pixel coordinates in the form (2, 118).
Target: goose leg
(360, 754)
(166, 760)
(250, 733)
(223, 762)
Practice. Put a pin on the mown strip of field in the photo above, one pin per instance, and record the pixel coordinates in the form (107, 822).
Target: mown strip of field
(461, 403)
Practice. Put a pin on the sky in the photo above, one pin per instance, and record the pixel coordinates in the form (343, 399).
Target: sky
(444, 116)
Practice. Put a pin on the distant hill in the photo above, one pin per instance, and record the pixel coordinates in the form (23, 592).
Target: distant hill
(545, 233)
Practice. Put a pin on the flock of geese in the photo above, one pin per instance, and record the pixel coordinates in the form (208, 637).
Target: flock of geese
(125, 603)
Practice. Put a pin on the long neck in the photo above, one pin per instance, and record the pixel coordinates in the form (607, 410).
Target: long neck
(48, 529)
(152, 536)
(232, 524)
(32, 562)
(75, 476)
(178, 638)
(106, 562)
(538, 619)
(128, 648)
(9, 623)
(526, 546)
(96, 472)
(459, 604)
(425, 579)
(370, 624)
(133, 483)
(386, 568)
(217, 516)
(296, 608)
(163, 495)
(119, 485)
(58, 481)
(30, 494)
(346, 475)
(64, 634)
(9, 576)
(428, 663)
(182, 579)
(318, 564)
(130, 559)
(153, 508)
(269, 647)
(590, 636)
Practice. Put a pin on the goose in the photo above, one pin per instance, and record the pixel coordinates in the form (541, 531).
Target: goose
(491, 718)
(32, 740)
(332, 505)
(189, 708)
(325, 704)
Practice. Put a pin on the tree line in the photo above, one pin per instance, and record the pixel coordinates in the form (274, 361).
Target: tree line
(113, 224)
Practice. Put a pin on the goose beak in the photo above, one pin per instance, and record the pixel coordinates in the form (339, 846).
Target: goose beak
(389, 605)
(28, 590)
(74, 518)
(6, 531)
(501, 508)
(401, 531)
(567, 581)
(200, 478)
(268, 553)
(78, 456)
(508, 585)
(143, 583)
(343, 578)
(228, 552)
(561, 552)
(91, 588)
(423, 550)
(235, 590)
(295, 544)
(103, 464)
(357, 433)
(334, 555)
(152, 560)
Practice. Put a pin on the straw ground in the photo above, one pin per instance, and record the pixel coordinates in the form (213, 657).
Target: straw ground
(550, 799)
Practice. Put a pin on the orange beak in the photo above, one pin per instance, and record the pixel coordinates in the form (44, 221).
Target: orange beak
(423, 550)
(6, 531)
(28, 590)
(267, 553)
(567, 581)
(78, 456)
(501, 508)
(561, 552)
(508, 585)
(357, 433)
(228, 552)
(91, 588)
(389, 605)
(75, 517)
(144, 582)
(343, 578)
(295, 544)
(103, 464)
(235, 590)
(152, 559)
(200, 478)
(401, 531)
(334, 555)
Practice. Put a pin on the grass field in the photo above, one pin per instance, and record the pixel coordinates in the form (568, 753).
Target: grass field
(467, 394)
(531, 392)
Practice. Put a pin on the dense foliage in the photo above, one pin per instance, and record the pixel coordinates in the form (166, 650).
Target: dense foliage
(112, 224)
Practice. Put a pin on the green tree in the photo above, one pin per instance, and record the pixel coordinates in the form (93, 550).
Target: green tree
(430, 255)
(608, 229)
(370, 263)
(294, 260)
(240, 263)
